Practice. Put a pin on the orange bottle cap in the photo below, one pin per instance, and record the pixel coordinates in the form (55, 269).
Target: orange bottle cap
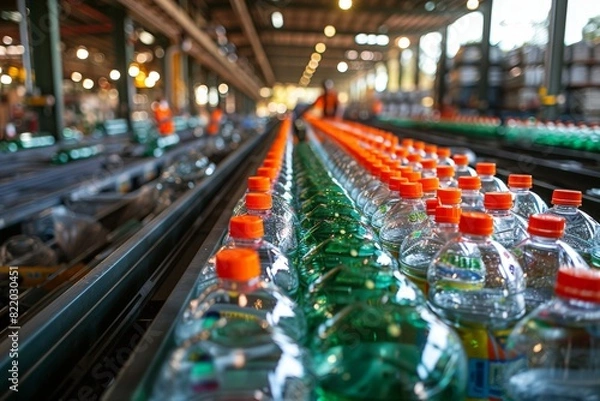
(431, 149)
(246, 226)
(461, 160)
(430, 205)
(258, 201)
(269, 172)
(520, 181)
(271, 163)
(414, 158)
(469, 183)
(582, 284)
(405, 169)
(386, 173)
(430, 184)
(445, 171)
(407, 142)
(401, 152)
(259, 184)
(443, 152)
(447, 214)
(419, 145)
(566, 197)
(411, 190)
(237, 264)
(476, 223)
(449, 196)
(412, 176)
(497, 200)
(395, 182)
(485, 168)
(546, 225)
(429, 164)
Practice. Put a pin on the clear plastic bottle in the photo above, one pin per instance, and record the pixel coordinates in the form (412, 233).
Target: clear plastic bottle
(414, 161)
(525, 202)
(428, 168)
(431, 151)
(557, 345)
(279, 226)
(489, 181)
(239, 293)
(378, 352)
(418, 249)
(403, 218)
(445, 174)
(477, 286)
(462, 168)
(394, 198)
(379, 195)
(430, 186)
(472, 198)
(595, 252)
(542, 255)
(580, 227)
(444, 158)
(376, 188)
(509, 228)
(236, 359)
(263, 184)
(419, 148)
(278, 188)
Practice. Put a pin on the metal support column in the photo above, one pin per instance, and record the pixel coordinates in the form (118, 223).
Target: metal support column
(47, 64)
(417, 57)
(191, 83)
(554, 58)
(24, 38)
(122, 30)
(442, 70)
(486, 11)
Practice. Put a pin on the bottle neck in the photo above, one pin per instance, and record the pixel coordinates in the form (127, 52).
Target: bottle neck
(247, 242)
(544, 240)
(566, 209)
(486, 177)
(475, 237)
(239, 285)
(471, 193)
(498, 212)
(259, 212)
(519, 191)
(575, 303)
(447, 227)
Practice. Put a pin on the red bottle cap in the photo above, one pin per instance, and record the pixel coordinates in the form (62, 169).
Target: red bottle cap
(246, 226)
(476, 223)
(419, 145)
(258, 201)
(395, 182)
(447, 214)
(520, 181)
(445, 171)
(430, 205)
(430, 184)
(430, 149)
(259, 184)
(412, 176)
(449, 196)
(429, 164)
(469, 183)
(237, 264)
(443, 152)
(414, 158)
(497, 200)
(269, 172)
(486, 168)
(546, 225)
(411, 190)
(566, 197)
(582, 284)
(461, 160)
(407, 142)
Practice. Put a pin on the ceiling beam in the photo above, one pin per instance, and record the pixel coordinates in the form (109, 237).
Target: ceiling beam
(239, 6)
(269, 30)
(242, 79)
(150, 19)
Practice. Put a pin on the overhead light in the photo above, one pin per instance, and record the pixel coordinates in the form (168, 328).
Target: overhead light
(7, 40)
(313, 64)
(329, 31)
(265, 92)
(146, 37)
(342, 66)
(351, 54)
(277, 19)
(371, 39)
(76, 76)
(201, 93)
(383, 40)
(88, 83)
(361, 39)
(320, 47)
(213, 97)
(114, 75)
(430, 6)
(153, 75)
(82, 53)
(5, 79)
(159, 52)
(472, 4)
(366, 55)
(345, 4)
(316, 56)
(403, 42)
(149, 82)
(223, 89)
(133, 70)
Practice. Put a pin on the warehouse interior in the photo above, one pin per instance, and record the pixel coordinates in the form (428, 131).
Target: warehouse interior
(129, 130)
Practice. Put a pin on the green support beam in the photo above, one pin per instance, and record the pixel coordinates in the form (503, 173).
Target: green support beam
(554, 58)
(47, 64)
(123, 28)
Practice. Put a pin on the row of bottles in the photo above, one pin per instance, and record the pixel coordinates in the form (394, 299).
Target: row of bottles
(311, 296)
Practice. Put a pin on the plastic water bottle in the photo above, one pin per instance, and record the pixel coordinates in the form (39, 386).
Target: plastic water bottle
(462, 168)
(428, 168)
(444, 158)
(509, 228)
(525, 202)
(378, 352)
(445, 174)
(236, 359)
(489, 181)
(472, 198)
(403, 218)
(430, 186)
(477, 286)
(542, 255)
(240, 294)
(580, 228)
(280, 206)
(418, 249)
(393, 199)
(277, 187)
(414, 161)
(419, 148)
(595, 252)
(557, 345)
(279, 229)
(431, 151)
